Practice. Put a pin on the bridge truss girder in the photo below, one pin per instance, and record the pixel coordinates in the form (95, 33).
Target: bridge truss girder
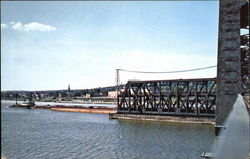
(245, 52)
(191, 97)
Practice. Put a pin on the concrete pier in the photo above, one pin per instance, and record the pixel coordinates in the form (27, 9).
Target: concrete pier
(229, 59)
(172, 119)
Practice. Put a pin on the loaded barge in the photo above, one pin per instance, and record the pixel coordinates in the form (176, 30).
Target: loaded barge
(68, 108)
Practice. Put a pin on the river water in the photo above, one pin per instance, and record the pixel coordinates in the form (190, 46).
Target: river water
(45, 134)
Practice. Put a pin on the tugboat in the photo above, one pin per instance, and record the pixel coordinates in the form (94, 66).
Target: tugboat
(29, 104)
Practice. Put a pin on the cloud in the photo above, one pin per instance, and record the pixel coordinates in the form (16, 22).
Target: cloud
(33, 26)
(3, 26)
(17, 26)
(38, 26)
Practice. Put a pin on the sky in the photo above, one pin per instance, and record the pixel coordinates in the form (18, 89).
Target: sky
(46, 45)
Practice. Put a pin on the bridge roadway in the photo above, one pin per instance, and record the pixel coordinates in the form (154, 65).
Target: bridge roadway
(183, 97)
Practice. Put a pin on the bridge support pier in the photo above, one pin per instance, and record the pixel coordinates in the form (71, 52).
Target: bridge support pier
(232, 17)
(229, 59)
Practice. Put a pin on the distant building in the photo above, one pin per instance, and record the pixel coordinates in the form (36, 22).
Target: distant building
(87, 95)
(112, 94)
(97, 94)
(36, 96)
(59, 95)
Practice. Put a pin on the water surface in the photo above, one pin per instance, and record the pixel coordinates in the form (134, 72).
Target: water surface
(47, 134)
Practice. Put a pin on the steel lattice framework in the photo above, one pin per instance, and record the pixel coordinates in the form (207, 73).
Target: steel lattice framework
(245, 53)
(191, 97)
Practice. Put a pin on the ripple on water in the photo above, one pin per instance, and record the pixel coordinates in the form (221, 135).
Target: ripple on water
(46, 134)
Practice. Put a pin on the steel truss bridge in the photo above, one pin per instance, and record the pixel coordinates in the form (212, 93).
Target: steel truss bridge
(187, 97)
(191, 97)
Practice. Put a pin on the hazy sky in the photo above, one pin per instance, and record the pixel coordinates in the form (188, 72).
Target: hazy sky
(48, 45)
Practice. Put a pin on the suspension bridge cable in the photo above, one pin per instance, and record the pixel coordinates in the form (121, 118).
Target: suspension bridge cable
(189, 70)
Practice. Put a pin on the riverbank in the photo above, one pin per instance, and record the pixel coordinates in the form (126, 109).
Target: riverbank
(87, 102)
(109, 101)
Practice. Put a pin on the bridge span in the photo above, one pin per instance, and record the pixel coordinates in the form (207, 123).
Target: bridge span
(188, 97)
(180, 97)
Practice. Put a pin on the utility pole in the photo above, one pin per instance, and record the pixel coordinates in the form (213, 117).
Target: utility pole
(117, 80)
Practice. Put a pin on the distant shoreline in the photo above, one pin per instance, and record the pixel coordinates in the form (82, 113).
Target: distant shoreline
(91, 101)
(86, 102)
